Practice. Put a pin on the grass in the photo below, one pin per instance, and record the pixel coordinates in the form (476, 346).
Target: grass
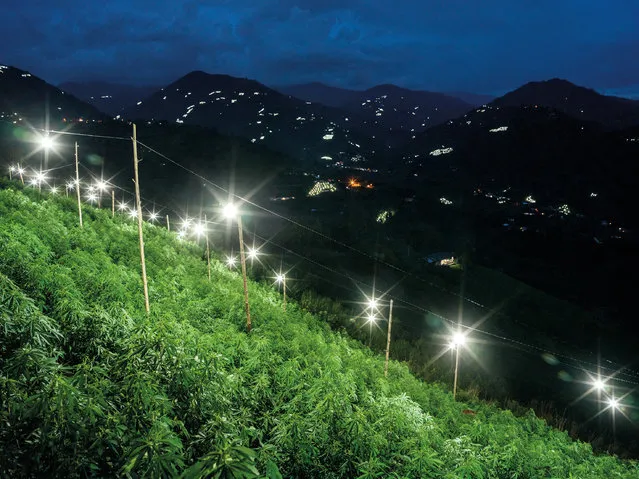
(90, 386)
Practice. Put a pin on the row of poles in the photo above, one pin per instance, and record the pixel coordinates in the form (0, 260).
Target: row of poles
(231, 212)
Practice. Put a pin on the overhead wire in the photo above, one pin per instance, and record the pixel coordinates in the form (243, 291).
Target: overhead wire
(252, 203)
(618, 372)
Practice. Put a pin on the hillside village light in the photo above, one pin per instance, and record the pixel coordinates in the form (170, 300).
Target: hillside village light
(230, 261)
(231, 212)
(458, 340)
(281, 278)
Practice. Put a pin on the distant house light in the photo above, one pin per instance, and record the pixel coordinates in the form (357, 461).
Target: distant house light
(441, 151)
(441, 259)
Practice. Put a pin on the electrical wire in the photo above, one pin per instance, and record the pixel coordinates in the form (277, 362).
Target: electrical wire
(415, 307)
(245, 200)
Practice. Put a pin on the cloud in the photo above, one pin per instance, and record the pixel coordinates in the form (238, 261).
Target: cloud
(437, 44)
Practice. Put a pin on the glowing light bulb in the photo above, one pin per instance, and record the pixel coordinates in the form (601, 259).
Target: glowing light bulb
(199, 229)
(459, 339)
(599, 384)
(47, 142)
(230, 210)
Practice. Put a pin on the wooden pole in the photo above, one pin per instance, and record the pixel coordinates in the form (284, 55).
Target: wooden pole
(168, 226)
(208, 250)
(284, 284)
(388, 338)
(139, 208)
(243, 261)
(456, 368)
(20, 170)
(112, 203)
(77, 184)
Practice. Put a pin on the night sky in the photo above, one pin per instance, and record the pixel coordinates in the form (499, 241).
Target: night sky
(488, 46)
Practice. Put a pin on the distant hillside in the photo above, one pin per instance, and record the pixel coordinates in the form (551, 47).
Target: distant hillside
(24, 96)
(386, 109)
(582, 180)
(576, 101)
(242, 107)
(111, 98)
(474, 99)
(320, 93)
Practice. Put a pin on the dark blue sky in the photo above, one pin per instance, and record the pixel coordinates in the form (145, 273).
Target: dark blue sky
(487, 46)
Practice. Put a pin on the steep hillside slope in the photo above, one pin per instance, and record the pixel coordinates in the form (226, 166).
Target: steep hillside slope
(91, 386)
(246, 108)
(25, 97)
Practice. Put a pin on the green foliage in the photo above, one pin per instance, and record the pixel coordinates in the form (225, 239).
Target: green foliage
(92, 386)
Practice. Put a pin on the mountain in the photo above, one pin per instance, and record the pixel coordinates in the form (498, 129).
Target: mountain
(25, 97)
(474, 99)
(317, 92)
(389, 107)
(246, 108)
(538, 192)
(111, 98)
(386, 109)
(579, 102)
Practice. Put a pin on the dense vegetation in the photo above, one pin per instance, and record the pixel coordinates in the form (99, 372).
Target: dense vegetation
(92, 386)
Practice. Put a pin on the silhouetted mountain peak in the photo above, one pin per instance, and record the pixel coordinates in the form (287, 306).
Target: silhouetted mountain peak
(25, 97)
(574, 100)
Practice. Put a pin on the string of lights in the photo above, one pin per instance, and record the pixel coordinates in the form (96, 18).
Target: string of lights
(620, 370)
(585, 365)
(519, 344)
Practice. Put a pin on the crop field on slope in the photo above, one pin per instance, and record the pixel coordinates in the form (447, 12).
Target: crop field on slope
(90, 386)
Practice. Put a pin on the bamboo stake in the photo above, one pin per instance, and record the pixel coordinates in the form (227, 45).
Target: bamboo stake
(388, 339)
(77, 184)
(208, 251)
(243, 261)
(139, 208)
